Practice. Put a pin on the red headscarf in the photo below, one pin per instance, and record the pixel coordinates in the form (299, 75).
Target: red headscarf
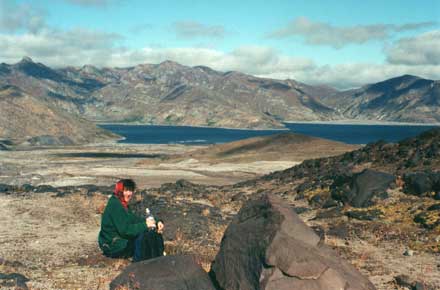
(119, 193)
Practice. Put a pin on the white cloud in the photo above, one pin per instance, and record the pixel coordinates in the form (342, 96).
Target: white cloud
(193, 29)
(423, 49)
(89, 2)
(320, 33)
(345, 76)
(15, 17)
(59, 48)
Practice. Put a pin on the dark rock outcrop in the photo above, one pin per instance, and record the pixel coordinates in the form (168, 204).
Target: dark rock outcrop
(181, 216)
(380, 156)
(360, 189)
(422, 183)
(164, 273)
(183, 186)
(267, 246)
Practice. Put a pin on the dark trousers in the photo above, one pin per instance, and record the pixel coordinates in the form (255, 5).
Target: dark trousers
(148, 245)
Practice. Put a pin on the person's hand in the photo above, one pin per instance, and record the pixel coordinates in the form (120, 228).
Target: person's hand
(151, 223)
(160, 227)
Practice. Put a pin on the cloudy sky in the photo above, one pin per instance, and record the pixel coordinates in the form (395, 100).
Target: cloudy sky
(341, 43)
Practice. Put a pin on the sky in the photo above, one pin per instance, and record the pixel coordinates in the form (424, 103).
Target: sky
(342, 43)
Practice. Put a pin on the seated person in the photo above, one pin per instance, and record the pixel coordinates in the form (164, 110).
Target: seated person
(124, 234)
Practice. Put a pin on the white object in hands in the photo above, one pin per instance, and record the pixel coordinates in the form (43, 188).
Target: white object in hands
(151, 221)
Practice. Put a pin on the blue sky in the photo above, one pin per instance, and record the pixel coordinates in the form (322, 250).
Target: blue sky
(341, 43)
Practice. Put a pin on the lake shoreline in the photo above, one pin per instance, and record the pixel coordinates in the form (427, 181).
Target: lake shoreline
(332, 122)
(193, 126)
(362, 123)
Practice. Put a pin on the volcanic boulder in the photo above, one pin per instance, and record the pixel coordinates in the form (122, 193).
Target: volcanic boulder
(164, 273)
(421, 183)
(267, 246)
(360, 189)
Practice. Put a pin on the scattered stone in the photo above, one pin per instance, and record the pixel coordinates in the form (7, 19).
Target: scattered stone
(27, 187)
(18, 281)
(407, 282)
(3, 147)
(330, 202)
(14, 264)
(330, 213)
(300, 210)
(164, 273)
(408, 252)
(419, 286)
(5, 188)
(404, 281)
(366, 215)
(45, 188)
(340, 230)
(317, 200)
(267, 246)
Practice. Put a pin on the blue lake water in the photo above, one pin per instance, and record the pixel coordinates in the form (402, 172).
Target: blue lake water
(352, 134)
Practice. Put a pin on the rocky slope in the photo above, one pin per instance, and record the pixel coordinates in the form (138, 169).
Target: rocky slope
(28, 119)
(402, 99)
(173, 94)
(169, 93)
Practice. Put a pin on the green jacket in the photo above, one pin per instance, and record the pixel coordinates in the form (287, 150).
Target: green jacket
(118, 226)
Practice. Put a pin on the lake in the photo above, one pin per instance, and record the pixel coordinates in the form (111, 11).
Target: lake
(352, 134)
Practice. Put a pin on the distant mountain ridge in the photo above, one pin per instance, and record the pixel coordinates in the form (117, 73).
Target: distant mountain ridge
(168, 94)
(172, 94)
(402, 99)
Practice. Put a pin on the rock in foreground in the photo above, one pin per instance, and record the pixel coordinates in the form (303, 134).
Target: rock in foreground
(164, 273)
(267, 246)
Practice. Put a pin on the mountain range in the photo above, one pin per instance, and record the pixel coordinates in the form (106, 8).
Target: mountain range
(172, 94)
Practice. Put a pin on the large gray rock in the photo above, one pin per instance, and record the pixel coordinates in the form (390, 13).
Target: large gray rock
(268, 247)
(362, 188)
(164, 273)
